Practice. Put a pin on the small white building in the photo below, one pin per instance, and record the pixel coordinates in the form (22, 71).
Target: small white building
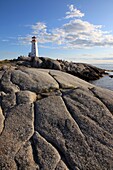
(34, 48)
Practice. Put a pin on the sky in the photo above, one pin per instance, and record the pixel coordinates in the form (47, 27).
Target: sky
(73, 30)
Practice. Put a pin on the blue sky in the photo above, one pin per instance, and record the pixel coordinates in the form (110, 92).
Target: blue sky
(74, 30)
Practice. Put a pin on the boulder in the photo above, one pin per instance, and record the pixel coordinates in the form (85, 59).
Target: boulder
(81, 70)
(24, 58)
(36, 62)
(50, 63)
(25, 97)
(33, 80)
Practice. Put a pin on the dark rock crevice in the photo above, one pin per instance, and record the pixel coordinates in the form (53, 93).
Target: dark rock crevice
(68, 109)
(82, 130)
(17, 164)
(62, 155)
(78, 117)
(97, 96)
(18, 84)
(14, 83)
(64, 99)
(35, 152)
(100, 136)
(74, 124)
(61, 166)
(55, 80)
(71, 115)
(74, 120)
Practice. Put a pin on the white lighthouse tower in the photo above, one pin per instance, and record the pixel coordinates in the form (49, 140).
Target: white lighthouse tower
(34, 48)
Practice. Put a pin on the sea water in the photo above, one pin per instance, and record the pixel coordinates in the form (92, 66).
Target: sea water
(106, 81)
(104, 66)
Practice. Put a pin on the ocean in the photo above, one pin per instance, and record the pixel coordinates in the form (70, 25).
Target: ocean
(104, 66)
(106, 81)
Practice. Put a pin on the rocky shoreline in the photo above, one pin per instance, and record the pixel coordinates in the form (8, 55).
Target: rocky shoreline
(51, 120)
(84, 71)
(81, 70)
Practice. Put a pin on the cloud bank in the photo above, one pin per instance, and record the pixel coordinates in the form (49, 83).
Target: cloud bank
(74, 34)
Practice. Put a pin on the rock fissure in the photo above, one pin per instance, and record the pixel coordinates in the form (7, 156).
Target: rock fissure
(62, 155)
(89, 118)
(51, 92)
(17, 164)
(52, 143)
(92, 119)
(33, 144)
(61, 166)
(55, 79)
(5, 110)
(69, 113)
(13, 82)
(76, 122)
(72, 116)
(35, 152)
(92, 90)
(50, 124)
(16, 98)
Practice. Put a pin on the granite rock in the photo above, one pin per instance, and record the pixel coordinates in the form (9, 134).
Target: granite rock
(51, 120)
(85, 71)
(1, 120)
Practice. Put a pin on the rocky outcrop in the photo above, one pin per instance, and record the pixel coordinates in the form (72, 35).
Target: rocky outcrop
(51, 120)
(81, 70)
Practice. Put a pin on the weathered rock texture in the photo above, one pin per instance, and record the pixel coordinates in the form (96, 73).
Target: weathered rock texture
(51, 120)
(81, 70)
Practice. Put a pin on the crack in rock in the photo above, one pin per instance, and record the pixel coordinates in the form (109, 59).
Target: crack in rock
(55, 122)
(45, 155)
(61, 166)
(107, 100)
(24, 157)
(18, 129)
(65, 103)
(56, 130)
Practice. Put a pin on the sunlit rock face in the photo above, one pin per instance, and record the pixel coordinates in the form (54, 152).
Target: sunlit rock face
(51, 120)
(85, 71)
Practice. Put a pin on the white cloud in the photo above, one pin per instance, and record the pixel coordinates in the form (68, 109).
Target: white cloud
(25, 40)
(76, 33)
(79, 26)
(73, 12)
(38, 27)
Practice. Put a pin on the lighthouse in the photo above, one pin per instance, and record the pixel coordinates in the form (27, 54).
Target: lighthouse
(34, 48)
